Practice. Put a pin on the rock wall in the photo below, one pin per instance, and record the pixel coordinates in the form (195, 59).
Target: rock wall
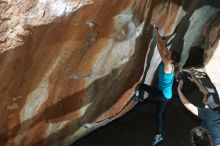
(68, 67)
(212, 52)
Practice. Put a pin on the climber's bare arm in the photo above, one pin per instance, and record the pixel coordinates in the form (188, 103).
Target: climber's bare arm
(162, 48)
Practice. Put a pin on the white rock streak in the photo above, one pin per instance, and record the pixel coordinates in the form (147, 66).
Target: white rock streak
(120, 46)
(35, 100)
(39, 95)
(198, 20)
(62, 7)
(155, 61)
(213, 68)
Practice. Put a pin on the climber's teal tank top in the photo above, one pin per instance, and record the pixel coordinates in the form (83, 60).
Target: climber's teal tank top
(165, 82)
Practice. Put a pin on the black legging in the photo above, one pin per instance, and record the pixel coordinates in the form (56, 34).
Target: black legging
(161, 103)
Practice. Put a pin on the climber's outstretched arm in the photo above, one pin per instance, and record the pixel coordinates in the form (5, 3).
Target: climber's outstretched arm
(162, 48)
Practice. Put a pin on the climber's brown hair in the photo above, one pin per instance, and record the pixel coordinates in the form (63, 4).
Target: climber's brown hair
(175, 56)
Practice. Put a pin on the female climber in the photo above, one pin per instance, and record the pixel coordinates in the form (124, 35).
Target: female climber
(163, 92)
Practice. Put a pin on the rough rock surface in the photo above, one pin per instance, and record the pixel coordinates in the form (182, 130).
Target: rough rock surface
(68, 67)
(212, 53)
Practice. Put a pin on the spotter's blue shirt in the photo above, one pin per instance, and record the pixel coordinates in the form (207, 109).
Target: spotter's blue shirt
(211, 120)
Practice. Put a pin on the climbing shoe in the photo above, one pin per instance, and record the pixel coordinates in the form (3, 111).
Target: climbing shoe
(138, 97)
(157, 139)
